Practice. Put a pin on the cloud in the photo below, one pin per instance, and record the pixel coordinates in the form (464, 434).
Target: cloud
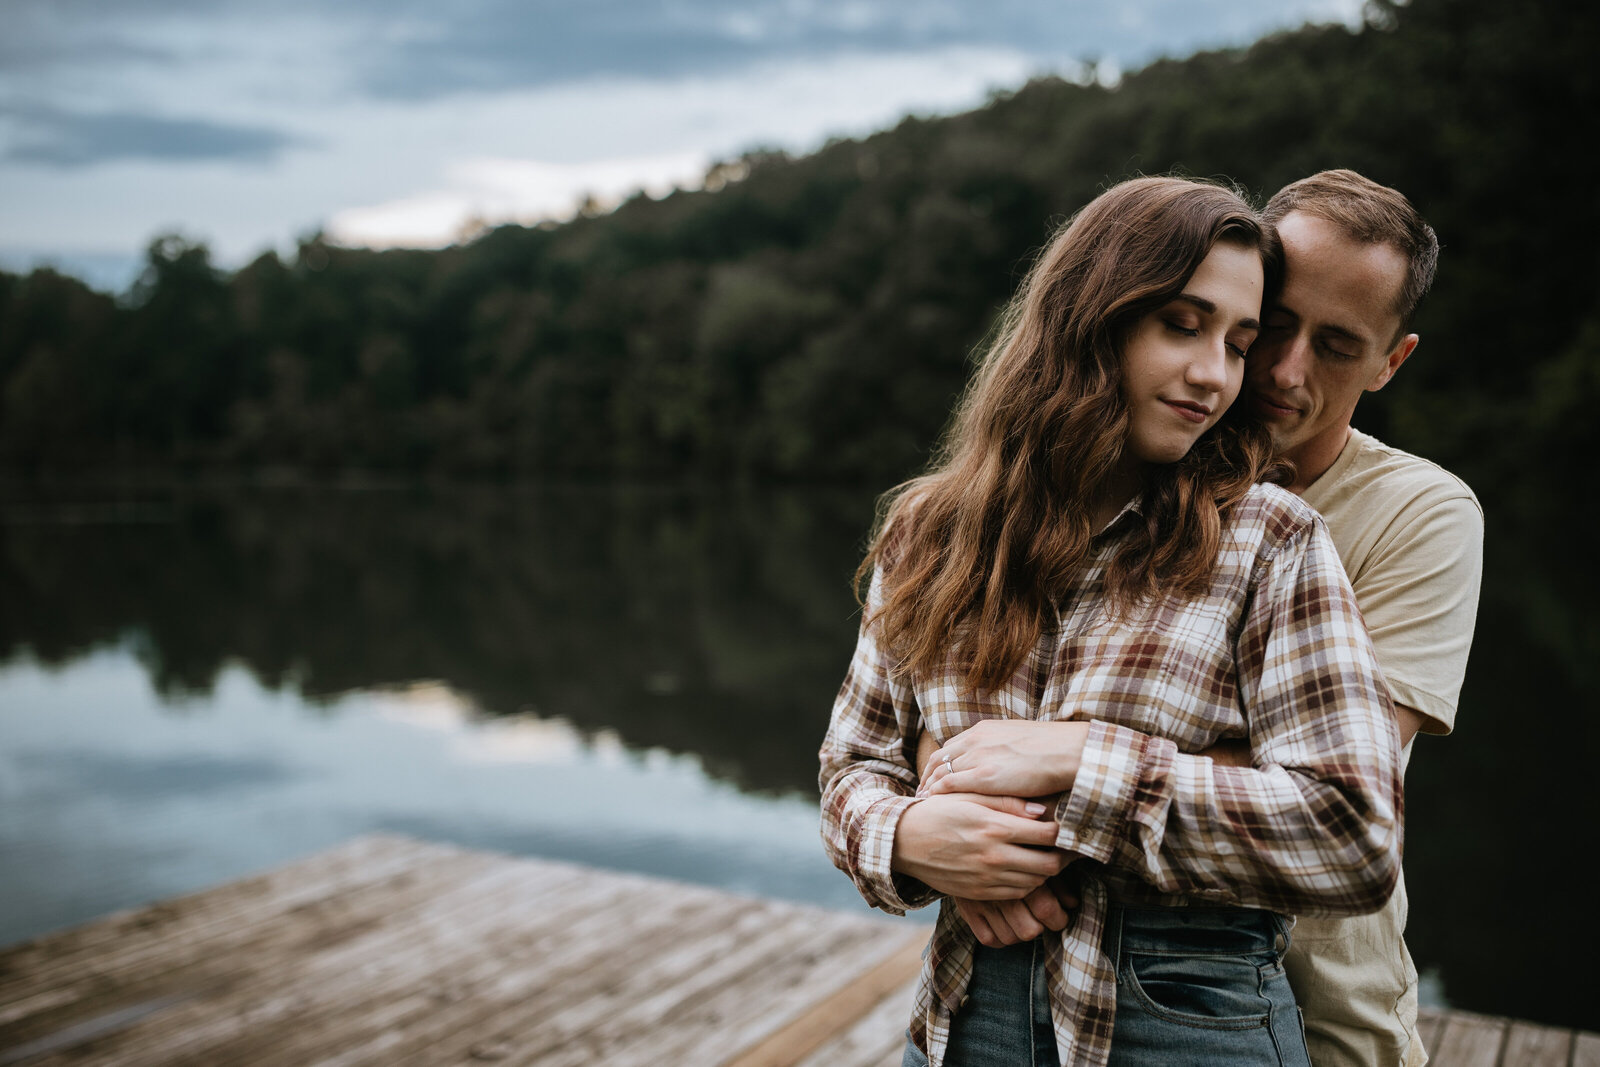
(380, 104)
(619, 137)
(492, 45)
(60, 138)
(29, 56)
(420, 49)
(492, 191)
(505, 44)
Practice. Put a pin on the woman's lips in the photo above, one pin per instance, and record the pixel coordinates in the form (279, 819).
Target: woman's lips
(1191, 411)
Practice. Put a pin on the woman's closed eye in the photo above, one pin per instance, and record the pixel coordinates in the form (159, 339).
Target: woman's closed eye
(1239, 347)
(1240, 340)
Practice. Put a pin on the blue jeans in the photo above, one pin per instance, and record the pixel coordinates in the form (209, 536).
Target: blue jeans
(1006, 1016)
(1203, 986)
(1195, 986)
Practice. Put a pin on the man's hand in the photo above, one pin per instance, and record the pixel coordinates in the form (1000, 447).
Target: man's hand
(1011, 922)
(1008, 757)
(926, 747)
(978, 847)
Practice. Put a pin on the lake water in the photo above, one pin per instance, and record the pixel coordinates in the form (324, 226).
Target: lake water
(199, 683)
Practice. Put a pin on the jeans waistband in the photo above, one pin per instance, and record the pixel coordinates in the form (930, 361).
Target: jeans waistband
(1194, 931)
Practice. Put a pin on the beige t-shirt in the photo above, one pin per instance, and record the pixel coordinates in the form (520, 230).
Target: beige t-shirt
(1410, 535)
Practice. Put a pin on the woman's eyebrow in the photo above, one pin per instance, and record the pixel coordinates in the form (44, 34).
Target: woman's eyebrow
(1211, 309)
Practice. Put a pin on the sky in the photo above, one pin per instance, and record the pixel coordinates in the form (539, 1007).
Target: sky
(405, 123)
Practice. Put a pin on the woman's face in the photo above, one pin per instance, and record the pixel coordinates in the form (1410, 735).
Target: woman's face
(1183, 363)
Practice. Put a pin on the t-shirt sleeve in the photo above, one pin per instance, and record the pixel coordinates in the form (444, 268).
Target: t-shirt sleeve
(1418, 592)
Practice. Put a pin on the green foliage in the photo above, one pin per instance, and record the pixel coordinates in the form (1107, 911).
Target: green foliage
(812, 318)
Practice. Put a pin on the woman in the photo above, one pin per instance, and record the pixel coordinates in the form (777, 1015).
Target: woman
(1088, 590)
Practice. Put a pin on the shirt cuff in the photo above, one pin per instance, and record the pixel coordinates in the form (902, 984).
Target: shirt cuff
(1093, 817)
(876, 878)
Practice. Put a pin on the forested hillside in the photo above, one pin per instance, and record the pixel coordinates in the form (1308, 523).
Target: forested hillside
(812, 318)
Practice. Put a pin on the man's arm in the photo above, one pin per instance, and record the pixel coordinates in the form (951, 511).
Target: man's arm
(1237, 753)
(1409, 720)
(1312, 828)
(1418, 593)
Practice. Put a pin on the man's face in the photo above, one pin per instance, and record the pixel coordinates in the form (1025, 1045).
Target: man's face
(1328, 338)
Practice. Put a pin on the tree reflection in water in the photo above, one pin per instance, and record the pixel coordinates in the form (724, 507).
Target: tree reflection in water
(711, 623)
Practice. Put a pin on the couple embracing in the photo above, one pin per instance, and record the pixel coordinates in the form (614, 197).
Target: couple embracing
(1143, 654)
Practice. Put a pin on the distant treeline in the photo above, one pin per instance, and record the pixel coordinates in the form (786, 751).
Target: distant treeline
(813, 318)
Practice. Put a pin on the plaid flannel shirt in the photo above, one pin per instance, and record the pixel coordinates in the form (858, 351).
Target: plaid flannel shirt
(1274, 653)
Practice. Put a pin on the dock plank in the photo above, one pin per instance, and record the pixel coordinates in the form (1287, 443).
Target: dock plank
(798, 981)
(559, 968)
(1429, 1024)
(360, 990)
(172, 956)
(661, 996)
(1531, 1045)
(592, 979)
(161, 962)
(840, 1013)
(877, 1040)
(1470, 1040)
(205, 921)
(471, 981)
(230, 1006)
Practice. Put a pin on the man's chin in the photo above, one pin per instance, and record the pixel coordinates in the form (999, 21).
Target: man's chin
(1281, 420)
(1282, 436)
(1285, 439)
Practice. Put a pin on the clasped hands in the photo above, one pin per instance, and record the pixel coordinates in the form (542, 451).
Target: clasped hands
(984, 835)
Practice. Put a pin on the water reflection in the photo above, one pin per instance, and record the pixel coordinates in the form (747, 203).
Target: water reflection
(711, 624)
(109, 800)
(578, 626)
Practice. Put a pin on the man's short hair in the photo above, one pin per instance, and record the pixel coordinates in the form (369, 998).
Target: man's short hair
(1372, 214)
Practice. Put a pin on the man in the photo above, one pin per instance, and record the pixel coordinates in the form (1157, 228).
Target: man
(1410, 535)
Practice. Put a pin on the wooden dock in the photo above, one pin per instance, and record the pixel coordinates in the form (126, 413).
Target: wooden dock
(393, 951)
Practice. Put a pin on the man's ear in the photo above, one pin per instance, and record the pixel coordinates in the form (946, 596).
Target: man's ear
(1391, 363)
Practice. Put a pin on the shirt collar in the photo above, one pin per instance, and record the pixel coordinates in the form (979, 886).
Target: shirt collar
(1134, 506)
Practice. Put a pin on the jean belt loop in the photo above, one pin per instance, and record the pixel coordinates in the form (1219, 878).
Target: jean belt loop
(1113, 939)
(1280, 929)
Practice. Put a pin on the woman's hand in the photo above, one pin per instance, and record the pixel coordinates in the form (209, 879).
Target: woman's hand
(1011, 922)
(1008, 757)
(978, 847)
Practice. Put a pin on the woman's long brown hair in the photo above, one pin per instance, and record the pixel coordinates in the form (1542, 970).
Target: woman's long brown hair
(973, 553)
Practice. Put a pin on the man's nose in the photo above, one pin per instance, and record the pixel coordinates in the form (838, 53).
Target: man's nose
(1287, 361)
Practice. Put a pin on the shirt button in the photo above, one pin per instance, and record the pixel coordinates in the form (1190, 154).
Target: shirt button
(964, 998)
